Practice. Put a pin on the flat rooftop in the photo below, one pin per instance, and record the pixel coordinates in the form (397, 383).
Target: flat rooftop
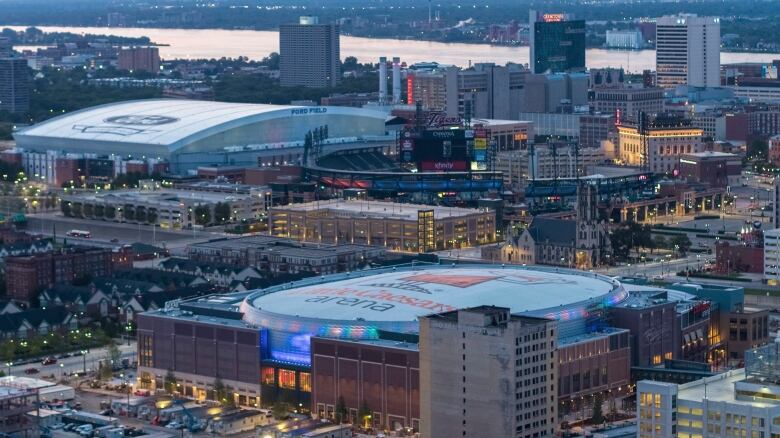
(172, 197)
(406, 294)
(280, 245)
(719, 388)
(379, 209)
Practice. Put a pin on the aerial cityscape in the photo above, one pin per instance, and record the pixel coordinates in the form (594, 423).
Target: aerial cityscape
(398, 218)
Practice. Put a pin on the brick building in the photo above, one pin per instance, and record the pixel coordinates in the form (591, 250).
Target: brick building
(25, 276)
(598, 362)
(384, 374)
(717, 169)
(139, 59)
(199, 352)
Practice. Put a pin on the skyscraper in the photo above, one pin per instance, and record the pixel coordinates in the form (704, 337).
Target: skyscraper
(484, 372)
(557, 43)
(687, 51)
(14, 85)
(6, 48)
(309, 54)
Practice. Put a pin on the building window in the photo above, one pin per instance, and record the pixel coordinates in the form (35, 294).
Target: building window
(305, 382)
(286, 379)
(267, 376)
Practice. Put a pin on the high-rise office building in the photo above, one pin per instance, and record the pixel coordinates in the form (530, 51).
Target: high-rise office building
(309, 54)
(687, 51)
(6, 48)
(492, 91)
(14, 85)
(484, 372)
(557, 43)
(139, 59)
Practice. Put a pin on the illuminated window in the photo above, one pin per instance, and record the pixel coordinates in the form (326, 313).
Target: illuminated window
(267, 376)
(305, 382)
(656, 359)
(287, 379)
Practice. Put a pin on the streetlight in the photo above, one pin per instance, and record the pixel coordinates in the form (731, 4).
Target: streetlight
(84, 357)
(9, 365)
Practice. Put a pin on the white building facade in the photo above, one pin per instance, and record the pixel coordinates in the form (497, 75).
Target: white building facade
(687, 51)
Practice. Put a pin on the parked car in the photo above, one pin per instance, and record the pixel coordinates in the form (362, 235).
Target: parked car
(51, 360)
(31, 371)
(85, 430)
(174, 425)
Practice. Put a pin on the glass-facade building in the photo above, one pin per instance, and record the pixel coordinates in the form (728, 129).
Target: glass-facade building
(557, 43)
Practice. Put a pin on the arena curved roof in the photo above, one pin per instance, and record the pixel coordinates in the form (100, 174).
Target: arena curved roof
(171, 124)
(401, 296)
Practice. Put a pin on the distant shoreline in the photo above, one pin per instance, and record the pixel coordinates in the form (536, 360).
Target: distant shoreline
(401, 38)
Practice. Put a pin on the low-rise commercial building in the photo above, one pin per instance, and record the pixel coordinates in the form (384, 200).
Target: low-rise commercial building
(717, 169)
(740, 402)
(174, 208)
(282, 255)
(403, 227)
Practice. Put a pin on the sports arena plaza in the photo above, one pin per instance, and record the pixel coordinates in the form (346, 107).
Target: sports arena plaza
(191, 133)
(264, 337)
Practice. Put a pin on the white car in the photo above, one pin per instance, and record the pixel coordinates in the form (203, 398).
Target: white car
(173, 425)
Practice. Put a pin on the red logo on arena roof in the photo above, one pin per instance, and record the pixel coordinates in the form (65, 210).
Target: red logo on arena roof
(451, 280)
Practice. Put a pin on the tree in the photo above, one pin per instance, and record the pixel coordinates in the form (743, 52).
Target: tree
(629, 236)
(75, 209)
(100, 211)
(341, 411)
(222, 394)
(222, 212)
(151, 216)
(128, 212)
(280, 410)
(65, 207)
(140, 214)
(364, 414)
(110, 212)
(113, 354)
(681, 243)
(202, 215)
(598, 416)
(660, 242)
(105, 371)
(350, 64)
(757, 149)
(89, 210)
(170, 382)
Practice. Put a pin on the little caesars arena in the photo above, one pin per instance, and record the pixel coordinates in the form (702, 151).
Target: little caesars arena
(259, 343)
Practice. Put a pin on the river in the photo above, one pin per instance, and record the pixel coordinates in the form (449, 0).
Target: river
(256, 44)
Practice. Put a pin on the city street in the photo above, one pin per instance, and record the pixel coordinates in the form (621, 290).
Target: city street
(103, 232)
(70, 365)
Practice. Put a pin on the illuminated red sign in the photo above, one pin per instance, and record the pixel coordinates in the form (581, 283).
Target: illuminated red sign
(551, 18)
(410, 88)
